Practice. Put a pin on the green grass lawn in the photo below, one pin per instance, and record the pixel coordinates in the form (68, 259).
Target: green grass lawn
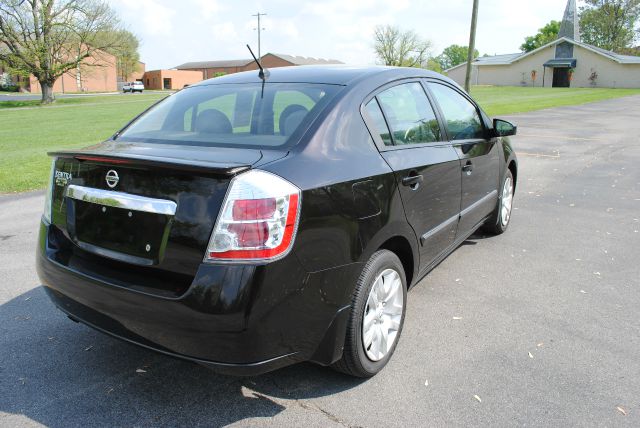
(26, 134)
(501, 100)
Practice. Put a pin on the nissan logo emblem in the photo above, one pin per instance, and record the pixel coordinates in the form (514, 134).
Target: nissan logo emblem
(112, 178)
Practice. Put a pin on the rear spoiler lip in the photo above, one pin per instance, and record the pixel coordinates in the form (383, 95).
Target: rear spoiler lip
(188, 165)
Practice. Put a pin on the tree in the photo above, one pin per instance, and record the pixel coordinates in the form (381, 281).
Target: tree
(400, 48)
(546, 34)
(434, 65)
(126, 53)
(455, 55)
(610, 24)
(635, 51)
(47, 38)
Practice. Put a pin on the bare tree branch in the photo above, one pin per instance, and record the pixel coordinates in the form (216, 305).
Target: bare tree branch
(47, 38)
(400, 48)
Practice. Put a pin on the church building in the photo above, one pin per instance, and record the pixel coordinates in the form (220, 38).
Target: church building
(565, 62)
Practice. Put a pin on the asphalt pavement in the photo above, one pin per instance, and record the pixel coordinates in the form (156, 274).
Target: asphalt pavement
(537, 327)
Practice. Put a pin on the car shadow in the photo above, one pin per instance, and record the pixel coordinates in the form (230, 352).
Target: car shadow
(473, 239)
(60, 373)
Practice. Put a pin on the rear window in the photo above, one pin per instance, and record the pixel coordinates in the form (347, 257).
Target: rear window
(232, 115)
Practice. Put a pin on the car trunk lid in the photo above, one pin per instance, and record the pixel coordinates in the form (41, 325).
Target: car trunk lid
(121, 210)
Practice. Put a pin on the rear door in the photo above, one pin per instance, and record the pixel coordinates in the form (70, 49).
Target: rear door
(478, 153)
(426, 166)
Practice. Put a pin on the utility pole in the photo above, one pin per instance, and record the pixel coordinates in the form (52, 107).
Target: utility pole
(472, 45)
(259, 29)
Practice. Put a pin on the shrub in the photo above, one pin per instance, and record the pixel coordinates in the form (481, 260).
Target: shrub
(6, 84)
(9, 88)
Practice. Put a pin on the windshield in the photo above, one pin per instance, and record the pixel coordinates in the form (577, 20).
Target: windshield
(231, 115)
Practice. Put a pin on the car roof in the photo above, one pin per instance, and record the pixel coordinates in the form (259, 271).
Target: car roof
(326, 74)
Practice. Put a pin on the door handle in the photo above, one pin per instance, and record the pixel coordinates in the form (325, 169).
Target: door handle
(412, 181)
(468, 167)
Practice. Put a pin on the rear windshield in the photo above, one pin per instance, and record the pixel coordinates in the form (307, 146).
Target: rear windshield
(231, 115)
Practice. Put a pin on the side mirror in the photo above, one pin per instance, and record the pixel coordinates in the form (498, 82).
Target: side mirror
(502, 128)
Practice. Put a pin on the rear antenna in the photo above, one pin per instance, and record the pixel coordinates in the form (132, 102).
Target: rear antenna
(263, 74)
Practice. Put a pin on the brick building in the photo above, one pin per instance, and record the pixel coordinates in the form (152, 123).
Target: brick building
(95, 74)
(170, 79)
(209, 69)
(138, 73)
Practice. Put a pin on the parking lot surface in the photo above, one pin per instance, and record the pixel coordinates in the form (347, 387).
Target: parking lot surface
(537, 327)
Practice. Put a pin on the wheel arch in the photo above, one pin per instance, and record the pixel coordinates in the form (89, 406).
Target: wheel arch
(399, 238)
(513, 167)
(399, 245)
(509, 160)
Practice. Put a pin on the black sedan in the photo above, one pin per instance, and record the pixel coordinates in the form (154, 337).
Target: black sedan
(250, 222)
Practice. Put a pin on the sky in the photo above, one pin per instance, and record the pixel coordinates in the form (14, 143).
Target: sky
(173, 32)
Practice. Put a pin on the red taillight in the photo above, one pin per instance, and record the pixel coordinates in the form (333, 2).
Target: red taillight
(103, 159)
(258, 219)
(251, 234)
(264, 253)
(254, 209)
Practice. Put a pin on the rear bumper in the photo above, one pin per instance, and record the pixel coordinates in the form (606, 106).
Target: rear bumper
(242, 320)
(109, 326)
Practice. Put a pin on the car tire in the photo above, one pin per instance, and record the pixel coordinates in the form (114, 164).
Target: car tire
(365, 360)
(499, 221)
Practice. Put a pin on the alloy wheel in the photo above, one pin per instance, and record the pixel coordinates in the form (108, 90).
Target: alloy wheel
(507, 201)
(382, 315)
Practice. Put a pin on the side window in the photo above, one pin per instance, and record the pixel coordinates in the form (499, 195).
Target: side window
(463, 121)
(381, 128)
(409, 114)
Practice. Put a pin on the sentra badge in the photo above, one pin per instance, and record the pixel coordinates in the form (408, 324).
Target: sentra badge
(62, 178)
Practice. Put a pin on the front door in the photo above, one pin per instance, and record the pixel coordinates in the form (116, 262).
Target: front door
(561, 78)
(478, 155)
(426, 166)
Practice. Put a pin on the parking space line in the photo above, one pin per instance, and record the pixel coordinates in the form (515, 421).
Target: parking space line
(538, 155)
